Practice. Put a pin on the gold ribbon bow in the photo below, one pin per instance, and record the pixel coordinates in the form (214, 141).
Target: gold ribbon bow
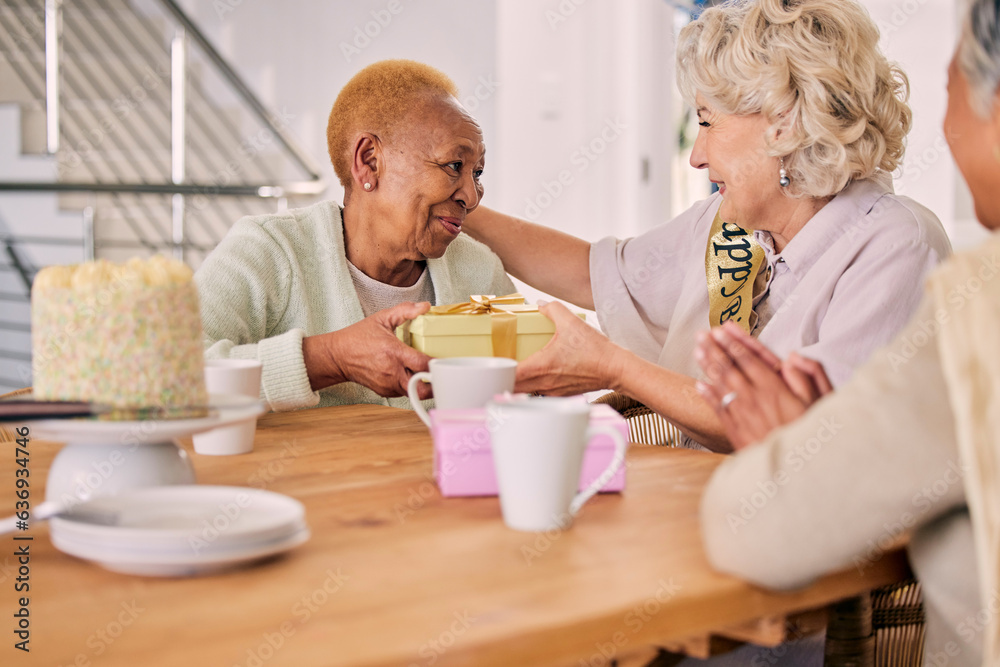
(483, 303)
(503, 318)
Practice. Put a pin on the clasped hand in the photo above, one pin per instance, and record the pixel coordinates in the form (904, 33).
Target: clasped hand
(750, 388)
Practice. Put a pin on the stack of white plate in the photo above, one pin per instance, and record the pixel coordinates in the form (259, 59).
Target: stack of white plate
(175, 531)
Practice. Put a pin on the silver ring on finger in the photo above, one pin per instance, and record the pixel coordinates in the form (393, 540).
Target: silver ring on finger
(726, 400)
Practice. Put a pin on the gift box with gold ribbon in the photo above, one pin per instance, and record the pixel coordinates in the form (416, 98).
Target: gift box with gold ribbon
(483, 326)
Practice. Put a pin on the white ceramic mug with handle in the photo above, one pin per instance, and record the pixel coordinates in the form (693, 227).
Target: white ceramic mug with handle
(463, 382)
(538, 446)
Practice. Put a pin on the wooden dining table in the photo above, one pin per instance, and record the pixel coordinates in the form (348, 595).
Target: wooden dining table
(397, 575)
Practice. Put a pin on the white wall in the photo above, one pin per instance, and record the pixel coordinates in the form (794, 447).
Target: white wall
(584, 106)
(920, 35)
(297, 54)
(584, 115)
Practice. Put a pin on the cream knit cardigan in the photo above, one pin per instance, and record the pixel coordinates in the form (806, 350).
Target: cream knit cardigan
(277, 278)
(967, 293)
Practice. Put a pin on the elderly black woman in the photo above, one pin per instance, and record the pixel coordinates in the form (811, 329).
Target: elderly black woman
(911, 445)
(802, 120)
(315, 293)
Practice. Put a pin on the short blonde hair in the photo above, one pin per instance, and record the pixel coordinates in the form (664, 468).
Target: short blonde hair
(813, 68)
(375, 100)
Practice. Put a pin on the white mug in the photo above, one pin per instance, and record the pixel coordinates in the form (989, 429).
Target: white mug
(463, 382)
(538, 447)
(233, 376)
(230, 376)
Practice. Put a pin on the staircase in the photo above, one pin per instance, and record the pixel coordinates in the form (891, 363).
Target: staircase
(33, 232)
(123, 133)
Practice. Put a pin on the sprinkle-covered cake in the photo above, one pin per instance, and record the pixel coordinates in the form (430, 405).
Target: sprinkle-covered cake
(127, 335)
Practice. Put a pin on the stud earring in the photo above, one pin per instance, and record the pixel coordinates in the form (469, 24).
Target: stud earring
(368, 186)
(783, 179)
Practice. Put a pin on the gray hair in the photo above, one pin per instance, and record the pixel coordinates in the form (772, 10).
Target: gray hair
(979, 53)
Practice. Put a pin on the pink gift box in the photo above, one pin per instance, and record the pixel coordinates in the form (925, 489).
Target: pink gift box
(463, 461)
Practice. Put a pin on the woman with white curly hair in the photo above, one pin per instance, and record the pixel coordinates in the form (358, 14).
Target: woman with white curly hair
(804, 245)
(918, 448)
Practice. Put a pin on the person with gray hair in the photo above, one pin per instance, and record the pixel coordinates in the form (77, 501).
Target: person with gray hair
(910, 447)
(802, 120)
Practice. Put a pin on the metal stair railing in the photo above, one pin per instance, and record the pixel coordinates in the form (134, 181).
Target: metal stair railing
(258, 108)
(18, 265)
(204, 128)
(145, 170)
(75, 125)
(12, 262)
(198, 132)
(204, 132)
(70, 126)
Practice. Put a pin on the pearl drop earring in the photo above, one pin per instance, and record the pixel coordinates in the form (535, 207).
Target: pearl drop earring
(783, 179)
(368, 186)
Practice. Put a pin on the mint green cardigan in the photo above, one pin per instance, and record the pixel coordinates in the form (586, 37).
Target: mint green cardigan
(277, 278)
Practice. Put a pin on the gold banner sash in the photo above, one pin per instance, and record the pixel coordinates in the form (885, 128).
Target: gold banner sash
(732, 261)
(503, 320)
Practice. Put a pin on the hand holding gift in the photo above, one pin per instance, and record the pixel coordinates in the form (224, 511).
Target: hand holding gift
(367, 353)
(577, 359)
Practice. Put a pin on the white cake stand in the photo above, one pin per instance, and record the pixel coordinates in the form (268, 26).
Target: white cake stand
(106, 457)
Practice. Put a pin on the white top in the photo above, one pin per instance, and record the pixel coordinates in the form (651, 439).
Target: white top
(841, 288)
(375, 296)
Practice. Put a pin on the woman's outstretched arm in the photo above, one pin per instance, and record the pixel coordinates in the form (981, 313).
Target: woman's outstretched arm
(549, 260)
